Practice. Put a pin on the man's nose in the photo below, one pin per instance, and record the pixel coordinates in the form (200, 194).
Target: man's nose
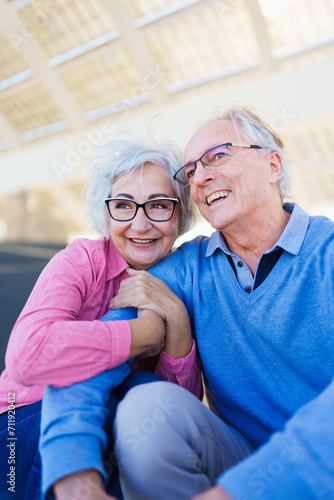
(202, 174)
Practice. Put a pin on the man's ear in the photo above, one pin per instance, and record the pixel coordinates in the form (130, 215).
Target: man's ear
(276, 167)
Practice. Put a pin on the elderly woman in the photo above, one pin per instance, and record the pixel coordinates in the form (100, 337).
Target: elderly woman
(58, 339)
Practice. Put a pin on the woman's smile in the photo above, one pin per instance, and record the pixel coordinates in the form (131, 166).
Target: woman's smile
(146, 242)
(141, 241)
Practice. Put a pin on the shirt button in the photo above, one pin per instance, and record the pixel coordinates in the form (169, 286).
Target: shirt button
(239, 263)
(248, 289)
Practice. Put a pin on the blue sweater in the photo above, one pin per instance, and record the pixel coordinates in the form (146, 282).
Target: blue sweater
(267, 353)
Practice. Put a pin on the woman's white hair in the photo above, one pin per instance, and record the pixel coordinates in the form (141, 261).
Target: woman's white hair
(250, 127)
(126, 154)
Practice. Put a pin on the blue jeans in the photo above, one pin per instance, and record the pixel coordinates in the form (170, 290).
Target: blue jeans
(28, 422)
(27, 459)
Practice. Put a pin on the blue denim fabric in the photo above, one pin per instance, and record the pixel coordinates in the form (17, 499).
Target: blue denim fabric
(27, 459)
(28, 419)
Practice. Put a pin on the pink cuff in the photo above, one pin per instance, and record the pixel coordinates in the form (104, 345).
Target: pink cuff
(120, 341)
(178, 366)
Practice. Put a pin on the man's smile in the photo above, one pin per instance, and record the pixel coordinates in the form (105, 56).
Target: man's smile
(217, 196)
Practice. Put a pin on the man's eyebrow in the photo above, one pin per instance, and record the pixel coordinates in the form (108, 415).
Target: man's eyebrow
(209, 149)
(216, 145)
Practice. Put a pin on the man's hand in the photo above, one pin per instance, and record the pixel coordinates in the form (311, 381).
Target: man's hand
(215, 493)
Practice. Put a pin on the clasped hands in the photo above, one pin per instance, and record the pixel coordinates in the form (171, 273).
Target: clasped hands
(148, 293)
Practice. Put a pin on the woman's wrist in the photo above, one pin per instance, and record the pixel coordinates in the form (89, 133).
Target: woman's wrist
(147, 334)
(178, 342)
(72, 486)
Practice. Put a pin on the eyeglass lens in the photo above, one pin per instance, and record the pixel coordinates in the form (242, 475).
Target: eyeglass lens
(156, 210)
(212, 158)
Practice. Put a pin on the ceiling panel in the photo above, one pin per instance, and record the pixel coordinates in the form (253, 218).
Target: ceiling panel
(68, 25)
(140, 8)
(202, 42)
(11, 63)
(296, 23)
(30, 108)
(105, 79)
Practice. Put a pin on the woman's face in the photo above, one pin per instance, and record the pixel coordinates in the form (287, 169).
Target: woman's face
(140, 241)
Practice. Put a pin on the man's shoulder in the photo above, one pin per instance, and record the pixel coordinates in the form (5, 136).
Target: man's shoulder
(185, 257)
(321, 227)
(197, 242)
(322, 221)
(319, 238)
(311, 230)
(193, 249)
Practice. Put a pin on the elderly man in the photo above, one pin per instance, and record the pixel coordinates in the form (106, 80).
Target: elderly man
(259, 293)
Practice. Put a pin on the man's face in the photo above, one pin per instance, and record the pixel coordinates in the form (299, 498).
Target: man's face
(239, 191)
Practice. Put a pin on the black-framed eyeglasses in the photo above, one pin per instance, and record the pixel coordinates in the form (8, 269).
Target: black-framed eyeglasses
(157, 210)
(210, 159)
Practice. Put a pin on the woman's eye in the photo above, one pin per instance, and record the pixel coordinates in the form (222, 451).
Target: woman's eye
(123, 206)
(159, 206)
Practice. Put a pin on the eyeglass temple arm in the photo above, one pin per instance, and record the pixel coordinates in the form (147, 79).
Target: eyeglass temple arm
(254, 146)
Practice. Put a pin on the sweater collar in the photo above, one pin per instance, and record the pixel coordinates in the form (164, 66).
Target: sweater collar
(290, 240)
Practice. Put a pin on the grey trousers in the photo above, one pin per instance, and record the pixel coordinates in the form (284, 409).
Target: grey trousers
(169, 445)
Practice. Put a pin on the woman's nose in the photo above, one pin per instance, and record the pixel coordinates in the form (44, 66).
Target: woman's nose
(141, 222)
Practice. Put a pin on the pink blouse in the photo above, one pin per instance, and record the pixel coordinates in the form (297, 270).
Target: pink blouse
(58, 339)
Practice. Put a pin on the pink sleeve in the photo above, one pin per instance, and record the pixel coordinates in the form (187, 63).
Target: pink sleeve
(53, 342)
(183, 371)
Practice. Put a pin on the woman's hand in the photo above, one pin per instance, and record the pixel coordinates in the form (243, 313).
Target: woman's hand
(146, 292)
(83, 485)
(143, 291)
(147, 334)
(214, 493)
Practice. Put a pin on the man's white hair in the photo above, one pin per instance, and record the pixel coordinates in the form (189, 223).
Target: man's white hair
(250, 127)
